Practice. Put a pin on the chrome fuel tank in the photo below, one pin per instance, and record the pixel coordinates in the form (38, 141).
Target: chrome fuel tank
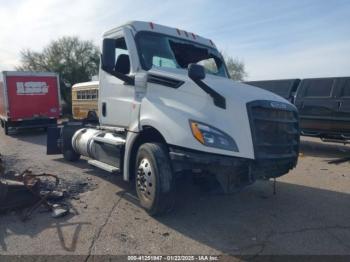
(102, 145)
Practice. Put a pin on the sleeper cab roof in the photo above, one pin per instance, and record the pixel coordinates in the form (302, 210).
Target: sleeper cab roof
(138, 26)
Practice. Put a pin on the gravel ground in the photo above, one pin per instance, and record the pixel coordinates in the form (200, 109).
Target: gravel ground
(309, 215)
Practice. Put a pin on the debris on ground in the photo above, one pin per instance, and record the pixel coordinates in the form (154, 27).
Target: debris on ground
(30, 191)
(17, 194)
(59, 210)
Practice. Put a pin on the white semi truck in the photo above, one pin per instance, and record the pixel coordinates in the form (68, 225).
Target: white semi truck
(163, 111)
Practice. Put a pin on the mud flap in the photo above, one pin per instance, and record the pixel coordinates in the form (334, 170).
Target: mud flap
(52, 143)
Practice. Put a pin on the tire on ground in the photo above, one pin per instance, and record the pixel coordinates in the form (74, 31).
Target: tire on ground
(163, 197)
(6, 128)
(70, 155)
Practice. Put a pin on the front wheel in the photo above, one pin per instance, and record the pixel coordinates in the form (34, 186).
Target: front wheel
(155, 185)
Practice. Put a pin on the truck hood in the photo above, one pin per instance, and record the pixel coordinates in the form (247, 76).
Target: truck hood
(190, 102)
(232, 91)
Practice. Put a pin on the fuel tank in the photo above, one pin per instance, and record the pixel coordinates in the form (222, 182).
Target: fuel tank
(102, 145)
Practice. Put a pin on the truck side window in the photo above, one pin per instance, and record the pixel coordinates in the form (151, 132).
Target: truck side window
(346, 89)
(318, 87)
(122, 57)
(209, 66)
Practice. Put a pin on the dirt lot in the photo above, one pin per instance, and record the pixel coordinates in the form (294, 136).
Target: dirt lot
(309, 215)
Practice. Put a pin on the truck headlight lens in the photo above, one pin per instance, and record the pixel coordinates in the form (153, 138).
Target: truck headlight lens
(213, 137)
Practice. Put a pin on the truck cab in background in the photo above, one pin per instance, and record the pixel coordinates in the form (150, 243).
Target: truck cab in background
(163, 111)
(286, 88)
(324, 108)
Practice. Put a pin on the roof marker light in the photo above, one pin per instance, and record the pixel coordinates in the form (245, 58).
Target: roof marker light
(194, 36)
(211, 42)
(151, 25)
(178, 31)
(186, 34)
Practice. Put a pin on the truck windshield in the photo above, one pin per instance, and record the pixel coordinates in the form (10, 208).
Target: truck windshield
(157, 50)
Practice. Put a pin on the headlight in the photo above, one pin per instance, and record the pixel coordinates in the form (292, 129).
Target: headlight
(213, 137)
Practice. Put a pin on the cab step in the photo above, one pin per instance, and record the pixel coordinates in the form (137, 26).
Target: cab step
(103, 166)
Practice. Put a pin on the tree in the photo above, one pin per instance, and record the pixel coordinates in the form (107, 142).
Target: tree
(235, 68)
(73, 59)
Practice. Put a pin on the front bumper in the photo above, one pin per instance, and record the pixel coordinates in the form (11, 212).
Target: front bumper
(192, 159)
(188, 159)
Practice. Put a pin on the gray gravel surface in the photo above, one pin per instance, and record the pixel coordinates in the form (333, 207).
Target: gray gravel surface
(309, 215)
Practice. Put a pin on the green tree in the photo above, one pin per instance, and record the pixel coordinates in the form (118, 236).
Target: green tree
(73, 59)
(236, 68)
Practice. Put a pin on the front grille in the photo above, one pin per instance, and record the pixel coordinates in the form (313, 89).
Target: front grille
(275, 129)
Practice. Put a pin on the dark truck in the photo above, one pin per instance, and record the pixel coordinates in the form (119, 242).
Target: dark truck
(324, 108)
(323, 104)
(285, 88)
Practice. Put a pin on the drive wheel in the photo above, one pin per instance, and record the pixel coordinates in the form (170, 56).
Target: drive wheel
(6, 128)
(70, 155)
(155, 185)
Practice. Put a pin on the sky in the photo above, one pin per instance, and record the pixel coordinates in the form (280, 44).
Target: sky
(275, 39)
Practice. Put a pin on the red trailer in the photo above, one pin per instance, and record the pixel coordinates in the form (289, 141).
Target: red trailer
(29, 100)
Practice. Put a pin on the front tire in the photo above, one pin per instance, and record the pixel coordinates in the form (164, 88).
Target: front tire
(155, 185)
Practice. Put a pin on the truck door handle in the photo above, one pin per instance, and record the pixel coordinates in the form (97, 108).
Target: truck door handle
(104, 109)
(340, 103)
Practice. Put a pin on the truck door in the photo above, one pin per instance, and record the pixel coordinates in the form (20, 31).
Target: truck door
(342, 115)
(316, 104)
(116, 97)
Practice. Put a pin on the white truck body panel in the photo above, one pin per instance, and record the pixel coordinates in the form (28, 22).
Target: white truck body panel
(137, 26)
(192, 103)
(169, 110)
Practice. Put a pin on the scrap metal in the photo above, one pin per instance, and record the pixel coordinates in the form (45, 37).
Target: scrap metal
(24, 190)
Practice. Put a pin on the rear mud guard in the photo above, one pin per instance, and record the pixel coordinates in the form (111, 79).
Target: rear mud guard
(53, 138)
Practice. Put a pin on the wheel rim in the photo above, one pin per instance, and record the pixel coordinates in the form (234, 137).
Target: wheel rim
(145, 179)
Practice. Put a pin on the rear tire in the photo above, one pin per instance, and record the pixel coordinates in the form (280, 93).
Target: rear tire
(71, 156)
(155, 185)
(6, 128)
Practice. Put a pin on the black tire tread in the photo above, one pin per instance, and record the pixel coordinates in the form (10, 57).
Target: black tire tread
(6, 128)
(71, 156)
(164, 200)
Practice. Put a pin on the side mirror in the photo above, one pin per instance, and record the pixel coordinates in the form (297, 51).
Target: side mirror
(196, 72)
(108, 54)
(141, 80)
